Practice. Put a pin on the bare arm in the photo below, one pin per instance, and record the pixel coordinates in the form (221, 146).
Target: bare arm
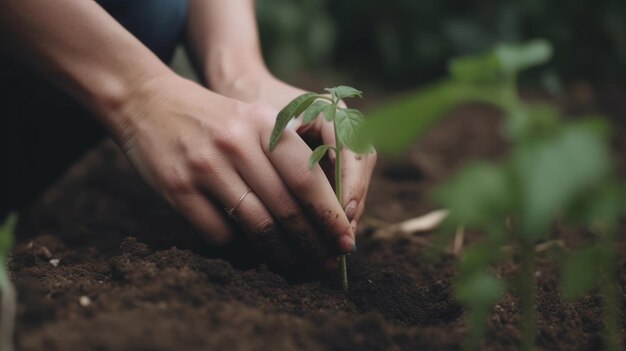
(224, 39)
(83, 50)
(199, 150)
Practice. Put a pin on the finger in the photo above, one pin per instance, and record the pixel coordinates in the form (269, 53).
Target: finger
(311, 188)
(263, 232)
(205, 216)
(355, 222)
(356, 172)
(258, 172)
(371, 163)
(226, 186)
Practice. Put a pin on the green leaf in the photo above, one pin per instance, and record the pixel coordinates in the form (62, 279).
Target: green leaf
(553, 171)
(293, 109)
(482, 78)
(6, 235)
(533, 120)
(480, 290)
(507, 59)
(317, 155)
(329, 112)
(393, 126)
(479, 196)
(514, 58)
(478, 258)
(581, 271)
(342, 92)
(479, 68)
(349, 124)
(311, 113)
(600, 209)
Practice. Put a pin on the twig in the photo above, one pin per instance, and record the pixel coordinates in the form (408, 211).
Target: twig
(459, 238)
(423, 223)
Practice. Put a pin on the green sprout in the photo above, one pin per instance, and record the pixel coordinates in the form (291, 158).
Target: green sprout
(596, 264)
(8, 299)
(554, 167)
(347, 123)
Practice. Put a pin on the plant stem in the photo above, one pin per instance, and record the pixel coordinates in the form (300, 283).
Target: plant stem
(611, 309)
(609, 290)
(475, 319)
(342, 269)
(7, 305)
(527, 296)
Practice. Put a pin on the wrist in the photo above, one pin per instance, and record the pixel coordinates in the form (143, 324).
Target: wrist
(121, 102)
(234, 74)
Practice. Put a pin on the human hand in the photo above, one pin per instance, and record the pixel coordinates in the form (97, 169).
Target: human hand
(356, 169)
(202, 152)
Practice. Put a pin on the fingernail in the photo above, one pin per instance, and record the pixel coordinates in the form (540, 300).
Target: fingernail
(351, 210)
(353, 227)
(332, 156)
(353, 249)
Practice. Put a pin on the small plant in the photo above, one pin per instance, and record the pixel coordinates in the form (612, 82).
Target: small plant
(596, 264)
(8, 300)
(347, 124)
(554, 168)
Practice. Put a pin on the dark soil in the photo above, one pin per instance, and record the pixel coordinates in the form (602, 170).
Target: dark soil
(132, 275)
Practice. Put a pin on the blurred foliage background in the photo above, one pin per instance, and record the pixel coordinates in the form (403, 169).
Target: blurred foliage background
(402, 43)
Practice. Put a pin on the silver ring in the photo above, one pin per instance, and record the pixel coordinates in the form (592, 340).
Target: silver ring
(232, 210)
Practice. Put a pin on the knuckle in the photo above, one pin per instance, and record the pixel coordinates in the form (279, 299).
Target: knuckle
(200, 162)
(232, 137)
(261, 223)
(260, 110)
(263, 115)
(288, 208)
(303, 182)
(176, 182)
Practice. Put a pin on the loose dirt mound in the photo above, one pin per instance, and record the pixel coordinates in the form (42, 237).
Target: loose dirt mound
(132, 275)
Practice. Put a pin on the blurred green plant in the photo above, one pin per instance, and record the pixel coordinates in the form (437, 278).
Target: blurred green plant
(347, 123)
(400, 42)
(8, 299)
(553, 168)
(295, 34)
(596, 265)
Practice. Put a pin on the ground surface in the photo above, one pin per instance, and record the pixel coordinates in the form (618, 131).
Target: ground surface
(131, 275)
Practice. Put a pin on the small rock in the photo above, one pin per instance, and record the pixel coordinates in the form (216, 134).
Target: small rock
(55, 262)
(84, 301)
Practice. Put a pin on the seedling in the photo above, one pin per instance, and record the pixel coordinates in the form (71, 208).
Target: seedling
(8, 300)
(347, 123)
(553, 166)
(596, 264)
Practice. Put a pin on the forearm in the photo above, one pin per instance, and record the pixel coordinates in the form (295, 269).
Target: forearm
(81, 49)
(224, 40)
